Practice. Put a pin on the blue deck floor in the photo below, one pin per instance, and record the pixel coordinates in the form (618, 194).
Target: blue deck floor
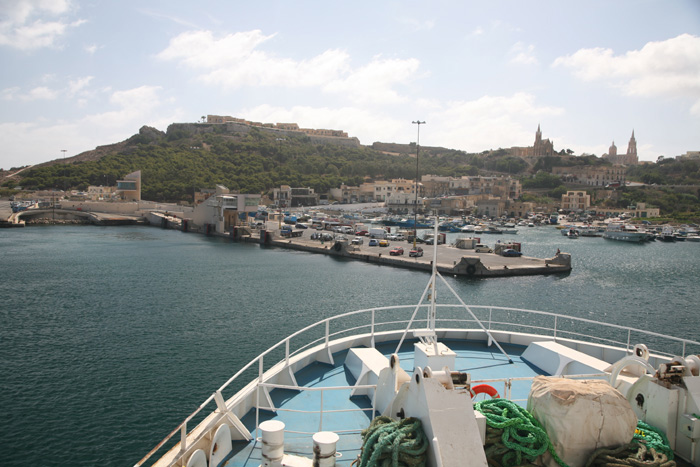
(483, 363)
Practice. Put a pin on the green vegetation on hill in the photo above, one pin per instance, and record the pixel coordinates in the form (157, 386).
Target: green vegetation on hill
(173, 166)
(190, 157)
(667, 172)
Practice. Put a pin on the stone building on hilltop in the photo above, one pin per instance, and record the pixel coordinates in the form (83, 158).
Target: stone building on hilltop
(541, 147)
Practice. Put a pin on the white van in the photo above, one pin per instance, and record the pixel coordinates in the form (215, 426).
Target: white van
(377, 233)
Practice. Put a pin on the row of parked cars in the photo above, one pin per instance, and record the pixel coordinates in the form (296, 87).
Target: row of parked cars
(396, 251)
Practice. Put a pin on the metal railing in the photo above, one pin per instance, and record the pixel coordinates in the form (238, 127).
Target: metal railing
(370, 326)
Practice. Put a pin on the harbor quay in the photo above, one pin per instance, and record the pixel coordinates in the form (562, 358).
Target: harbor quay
(450, 259)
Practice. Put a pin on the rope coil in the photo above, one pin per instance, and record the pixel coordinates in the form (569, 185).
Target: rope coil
(387, 443)
(516, 436)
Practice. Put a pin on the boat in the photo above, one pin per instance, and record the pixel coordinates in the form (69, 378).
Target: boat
(430, 382)
(590, 231)
(624, 232)
(667, 234)
(493, 230)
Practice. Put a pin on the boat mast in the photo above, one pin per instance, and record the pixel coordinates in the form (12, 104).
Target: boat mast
(429, 335)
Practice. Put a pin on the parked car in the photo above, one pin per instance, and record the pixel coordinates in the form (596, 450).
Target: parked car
(480, 248)
(358, 241)
(361, 233)
(396, 251)
(383, 242)
(373, 242)
(416, 252)
(511, 252)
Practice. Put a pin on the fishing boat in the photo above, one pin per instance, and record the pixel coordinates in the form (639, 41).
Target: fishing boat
(431, 384)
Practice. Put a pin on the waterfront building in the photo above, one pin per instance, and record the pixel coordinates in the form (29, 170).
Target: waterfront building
(450, 205)
(346, 194)
(521, 208)
(575, 201)
(287, 197)
(490, 207)
(223, 210)
(640, 210)
(434, 185)
(100, 193)
(129, 189)
(403, 203)
(503, 187)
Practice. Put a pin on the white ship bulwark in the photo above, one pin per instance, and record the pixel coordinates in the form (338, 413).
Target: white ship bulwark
(427, 381)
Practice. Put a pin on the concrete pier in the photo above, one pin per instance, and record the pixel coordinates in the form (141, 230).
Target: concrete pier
(451, 260)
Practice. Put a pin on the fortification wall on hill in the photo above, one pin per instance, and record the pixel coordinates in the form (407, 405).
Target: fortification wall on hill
(232, 128)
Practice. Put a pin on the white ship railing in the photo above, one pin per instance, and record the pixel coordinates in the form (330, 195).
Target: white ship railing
(656, 342)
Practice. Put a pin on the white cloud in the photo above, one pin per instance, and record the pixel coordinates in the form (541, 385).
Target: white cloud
(91, 49)
(374, 83)
(10, 94)
(40, 93)
(488, 122)
(132, 109)
(523, 54)
(478, 31)
(417, 24)
(24, 24)
(73, 88)
(236, 60)
(78, 85)
(665, 68)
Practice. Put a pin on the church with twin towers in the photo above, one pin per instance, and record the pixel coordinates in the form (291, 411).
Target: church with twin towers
(545, 147)
(629, 158)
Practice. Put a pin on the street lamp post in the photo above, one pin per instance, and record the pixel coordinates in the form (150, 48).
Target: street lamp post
(415, 206)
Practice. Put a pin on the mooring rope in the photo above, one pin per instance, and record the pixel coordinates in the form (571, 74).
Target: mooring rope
(387, 443)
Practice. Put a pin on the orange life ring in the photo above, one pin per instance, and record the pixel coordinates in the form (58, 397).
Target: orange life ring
(485, 389)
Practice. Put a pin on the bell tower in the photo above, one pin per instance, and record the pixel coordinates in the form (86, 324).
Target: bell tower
(631, 158)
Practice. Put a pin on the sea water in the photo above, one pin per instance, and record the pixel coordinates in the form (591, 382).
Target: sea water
(111, 336)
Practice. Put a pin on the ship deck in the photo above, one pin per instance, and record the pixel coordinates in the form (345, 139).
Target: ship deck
(481, 362)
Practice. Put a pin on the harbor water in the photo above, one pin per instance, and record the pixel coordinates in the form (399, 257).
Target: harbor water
(111, 336)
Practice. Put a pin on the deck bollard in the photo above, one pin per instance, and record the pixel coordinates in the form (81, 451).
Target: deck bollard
(324, 448)
(272, 443)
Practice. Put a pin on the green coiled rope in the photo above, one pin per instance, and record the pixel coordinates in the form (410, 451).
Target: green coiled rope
(387, 443)
(518, 437)
(653, 438)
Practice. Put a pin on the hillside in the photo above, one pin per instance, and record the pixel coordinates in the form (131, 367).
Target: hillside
(188, 157)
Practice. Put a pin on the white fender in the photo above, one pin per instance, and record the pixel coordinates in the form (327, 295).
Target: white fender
(197, 459)
(221, 445)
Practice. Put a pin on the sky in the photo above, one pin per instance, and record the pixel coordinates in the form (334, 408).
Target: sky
(77, 74)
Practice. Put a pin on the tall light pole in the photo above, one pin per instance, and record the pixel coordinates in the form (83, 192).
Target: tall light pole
(415, 206)
(65, 172)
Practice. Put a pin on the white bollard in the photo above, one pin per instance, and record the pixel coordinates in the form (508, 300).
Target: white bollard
(324, 448)
(272, 443)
